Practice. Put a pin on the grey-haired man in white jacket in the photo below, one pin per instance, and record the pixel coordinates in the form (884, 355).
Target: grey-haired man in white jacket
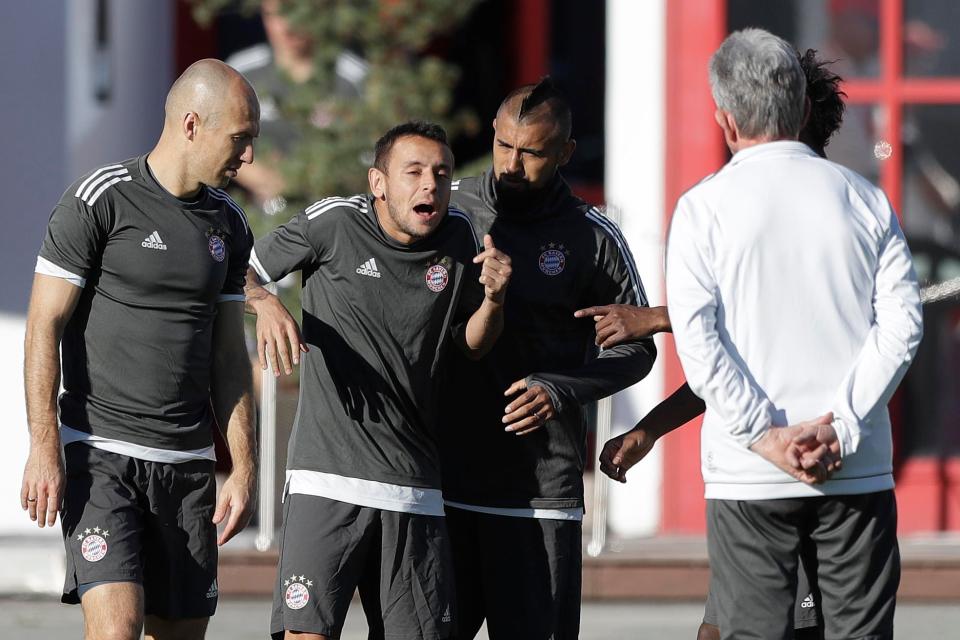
(796, 313)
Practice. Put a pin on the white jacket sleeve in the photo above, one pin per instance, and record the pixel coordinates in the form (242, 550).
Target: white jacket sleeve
(693, 304)
(890, 344)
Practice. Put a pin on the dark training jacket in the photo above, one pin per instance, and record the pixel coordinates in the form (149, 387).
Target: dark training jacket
(566, 255)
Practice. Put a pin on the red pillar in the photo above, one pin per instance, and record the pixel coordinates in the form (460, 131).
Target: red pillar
(694, 149)
(192, 41)
(531, 41)
(891, 76)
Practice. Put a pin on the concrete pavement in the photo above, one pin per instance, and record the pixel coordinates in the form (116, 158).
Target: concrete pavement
(240, 619)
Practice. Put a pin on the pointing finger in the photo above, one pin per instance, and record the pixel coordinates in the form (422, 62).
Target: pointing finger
(591, 311)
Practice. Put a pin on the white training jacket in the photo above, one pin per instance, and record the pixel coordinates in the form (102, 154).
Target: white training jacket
(792, 293)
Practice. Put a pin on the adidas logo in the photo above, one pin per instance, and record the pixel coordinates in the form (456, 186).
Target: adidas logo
(212, 591)
(446, 615)
(153, 241)
(369, 268)
(808, 602)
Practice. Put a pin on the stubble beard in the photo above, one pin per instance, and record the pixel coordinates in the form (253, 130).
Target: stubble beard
(401, 224)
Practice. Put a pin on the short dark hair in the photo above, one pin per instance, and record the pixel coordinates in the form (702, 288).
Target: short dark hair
(542, 94)
(826, 101)
(416, 128)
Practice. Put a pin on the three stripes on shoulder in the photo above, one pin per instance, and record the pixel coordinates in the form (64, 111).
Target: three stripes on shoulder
(319, 207)
(101, 180)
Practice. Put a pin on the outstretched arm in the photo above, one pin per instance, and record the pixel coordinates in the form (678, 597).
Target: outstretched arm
(626, 450)
(619, 323)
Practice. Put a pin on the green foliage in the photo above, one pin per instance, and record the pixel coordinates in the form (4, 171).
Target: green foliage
(404, 83)
(337, 133)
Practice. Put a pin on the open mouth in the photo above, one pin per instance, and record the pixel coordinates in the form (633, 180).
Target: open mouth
(425, 210)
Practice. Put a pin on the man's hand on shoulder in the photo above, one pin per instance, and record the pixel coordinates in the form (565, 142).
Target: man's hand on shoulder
(617, 323)
(278, 336)
(279, 340)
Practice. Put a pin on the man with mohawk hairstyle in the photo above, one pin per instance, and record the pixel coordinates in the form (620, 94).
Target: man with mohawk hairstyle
(514, 431)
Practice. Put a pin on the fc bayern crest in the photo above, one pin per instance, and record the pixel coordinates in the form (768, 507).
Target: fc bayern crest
(553, 258)
(93, 544)
(437, 278)
(297, 596)
(217, 249)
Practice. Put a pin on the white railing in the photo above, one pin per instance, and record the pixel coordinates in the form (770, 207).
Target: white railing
(598, 530)
(266, 503)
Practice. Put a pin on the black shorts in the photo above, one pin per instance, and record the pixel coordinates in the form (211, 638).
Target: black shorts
(130, 520)
(523, 575)
(754, 547)
(804, 609)
(400, 562)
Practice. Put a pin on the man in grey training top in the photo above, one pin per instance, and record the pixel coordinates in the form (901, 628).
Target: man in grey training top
(140, 283)
(388, 278)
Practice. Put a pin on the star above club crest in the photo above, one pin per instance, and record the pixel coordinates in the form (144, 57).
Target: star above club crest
(553, 245)
(105, 533)
(309, 583)
(286, 583)
(80, 536)
(543, 247)
(293, 578)
(86, 532)
(96, 529)
(302, 578)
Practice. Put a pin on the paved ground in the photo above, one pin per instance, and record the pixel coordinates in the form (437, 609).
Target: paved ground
(247, 620)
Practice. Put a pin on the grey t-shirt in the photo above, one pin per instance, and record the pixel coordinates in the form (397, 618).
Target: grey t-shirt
(378, 316)
(137, 351)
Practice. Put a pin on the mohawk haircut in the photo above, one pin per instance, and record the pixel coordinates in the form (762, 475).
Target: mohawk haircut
(541, 101)
(826, 101)
(416, 128)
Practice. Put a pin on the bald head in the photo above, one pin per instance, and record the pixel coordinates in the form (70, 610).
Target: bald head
(206, 88)
(537, 104)
(212, 119)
